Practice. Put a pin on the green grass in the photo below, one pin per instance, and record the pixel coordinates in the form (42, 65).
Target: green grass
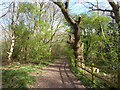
(16, 79)
(21, 75)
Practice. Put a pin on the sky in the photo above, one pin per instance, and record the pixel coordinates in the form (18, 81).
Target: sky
(79, 6)
(76, 6)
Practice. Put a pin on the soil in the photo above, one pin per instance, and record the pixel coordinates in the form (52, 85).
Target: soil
(58, 75)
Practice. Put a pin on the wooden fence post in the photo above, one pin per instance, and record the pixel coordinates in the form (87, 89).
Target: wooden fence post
(92, 69)
(118, 79)
(82, 67)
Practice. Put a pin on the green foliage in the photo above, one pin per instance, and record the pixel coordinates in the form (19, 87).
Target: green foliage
(98, 38)
(25, 7)
(33, 33)
(32, 36)
(99, 35)
(33, 44)
(16, 79)
(84, 78)
(21, 75)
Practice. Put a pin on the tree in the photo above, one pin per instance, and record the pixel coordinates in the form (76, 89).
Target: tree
(115, 15)
(98, 40)
(35, 34)
(76, 44)
(12, 29)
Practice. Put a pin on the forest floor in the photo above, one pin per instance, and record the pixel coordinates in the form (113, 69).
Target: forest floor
(58, 75)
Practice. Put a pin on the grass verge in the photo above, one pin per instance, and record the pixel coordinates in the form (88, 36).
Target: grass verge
(21, 75)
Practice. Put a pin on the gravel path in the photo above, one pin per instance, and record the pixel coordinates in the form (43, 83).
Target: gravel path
(58, 75)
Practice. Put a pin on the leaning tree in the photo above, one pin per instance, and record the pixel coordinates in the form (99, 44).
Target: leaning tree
(75, 43)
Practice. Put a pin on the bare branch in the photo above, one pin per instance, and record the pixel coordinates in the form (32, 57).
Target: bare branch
(91, 4)
(7, 11)
(113, 5)
(102, 10)
(7, 6)
(5, 14)
(60, 4)
(66, 4)
(65, 13)
(79, 19)
(5, 30)
(57, 28)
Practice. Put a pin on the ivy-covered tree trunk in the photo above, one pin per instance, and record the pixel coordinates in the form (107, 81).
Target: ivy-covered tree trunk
(116, 16)
(118, 53)
(76, 44)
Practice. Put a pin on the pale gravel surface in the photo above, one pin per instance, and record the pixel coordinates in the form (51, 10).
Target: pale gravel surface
(58, 75)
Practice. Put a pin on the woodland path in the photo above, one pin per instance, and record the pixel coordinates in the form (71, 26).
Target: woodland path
(58, 75)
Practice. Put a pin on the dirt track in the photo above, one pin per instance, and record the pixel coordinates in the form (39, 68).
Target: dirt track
(58, 75)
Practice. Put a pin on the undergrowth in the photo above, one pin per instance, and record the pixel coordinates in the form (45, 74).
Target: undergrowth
(21, 75)
(84, 79)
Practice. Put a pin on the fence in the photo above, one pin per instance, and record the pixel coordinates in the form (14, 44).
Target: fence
(90, 69)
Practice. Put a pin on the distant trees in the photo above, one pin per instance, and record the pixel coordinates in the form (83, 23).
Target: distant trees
(33, 29)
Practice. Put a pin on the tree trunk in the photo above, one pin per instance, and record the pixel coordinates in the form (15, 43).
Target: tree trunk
(116, 16)
(11, 48)
(25, 51)
(12, 36)
(78, 49)
(75, 25)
